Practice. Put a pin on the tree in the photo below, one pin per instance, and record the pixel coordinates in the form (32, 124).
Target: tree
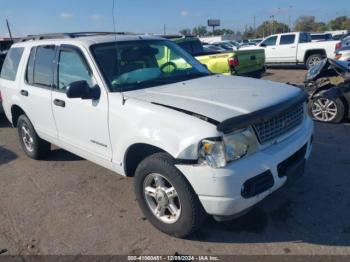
(223, 32)
(200, 31)
(271, 27)
(305, 24)
(249, 33)
(340, 23)
(185, 31)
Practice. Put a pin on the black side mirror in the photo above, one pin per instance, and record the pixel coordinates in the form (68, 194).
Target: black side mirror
(81, 89)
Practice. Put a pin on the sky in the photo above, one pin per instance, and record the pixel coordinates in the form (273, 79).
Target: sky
(150, 16)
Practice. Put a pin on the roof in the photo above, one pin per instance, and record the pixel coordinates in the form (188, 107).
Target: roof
(83, 38)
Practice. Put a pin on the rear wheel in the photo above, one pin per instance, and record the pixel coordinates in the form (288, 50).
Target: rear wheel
(313, 60)
(327, 110)
(31, 143)
(166, 198)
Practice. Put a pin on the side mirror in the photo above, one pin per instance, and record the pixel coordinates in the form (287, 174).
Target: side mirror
(81, 89)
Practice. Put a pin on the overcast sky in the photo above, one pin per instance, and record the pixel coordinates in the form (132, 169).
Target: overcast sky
(142, 16)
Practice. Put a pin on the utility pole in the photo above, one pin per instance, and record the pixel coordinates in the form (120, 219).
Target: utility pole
(9, 29)
(164, 29)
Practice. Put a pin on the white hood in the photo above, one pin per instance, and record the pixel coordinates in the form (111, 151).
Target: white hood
(218, 97)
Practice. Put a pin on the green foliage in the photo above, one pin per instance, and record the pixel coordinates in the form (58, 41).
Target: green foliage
(340, 23)
(200, 31)
(185, 31)
(271, 27)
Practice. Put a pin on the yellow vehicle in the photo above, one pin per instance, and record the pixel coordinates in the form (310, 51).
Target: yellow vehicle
(245, 62)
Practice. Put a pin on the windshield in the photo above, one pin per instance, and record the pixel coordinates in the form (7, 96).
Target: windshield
(140, 64)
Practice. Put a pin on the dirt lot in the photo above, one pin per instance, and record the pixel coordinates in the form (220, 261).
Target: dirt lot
(67, 205)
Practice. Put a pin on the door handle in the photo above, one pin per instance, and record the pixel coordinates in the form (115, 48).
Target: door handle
(292, 47)
(59, 102)
(24, 93)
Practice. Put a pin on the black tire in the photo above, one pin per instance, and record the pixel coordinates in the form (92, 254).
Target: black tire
(40, 148)
(192, 213)
(339, 104)
(310, 60)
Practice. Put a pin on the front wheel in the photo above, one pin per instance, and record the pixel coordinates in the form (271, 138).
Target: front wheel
(327, 110)
(166, 198)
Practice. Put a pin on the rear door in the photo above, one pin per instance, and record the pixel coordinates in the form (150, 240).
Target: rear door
(286, 50)
(82, 124)
(36, 89)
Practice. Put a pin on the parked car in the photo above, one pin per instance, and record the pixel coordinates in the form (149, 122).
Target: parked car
(317, 37)
(228, 45)
(343, 54)
(240, 62)
(297, 48)
(207, 48)
(328, 84)
(195, 143)
(346, 41)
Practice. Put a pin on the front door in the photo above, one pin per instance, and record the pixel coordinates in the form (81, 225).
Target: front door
(81, 123)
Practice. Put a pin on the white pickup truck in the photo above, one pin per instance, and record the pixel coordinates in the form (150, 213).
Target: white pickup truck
(297, 48)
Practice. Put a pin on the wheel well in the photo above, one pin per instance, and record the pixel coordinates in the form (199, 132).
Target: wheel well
(16, 112)
(136, 154)
(321, 52)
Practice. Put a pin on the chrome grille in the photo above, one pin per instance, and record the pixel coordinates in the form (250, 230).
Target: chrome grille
(280, 125)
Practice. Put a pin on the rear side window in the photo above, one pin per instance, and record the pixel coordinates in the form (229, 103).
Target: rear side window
(287, 39)
(43, 65)
(10, 66)
(304, 38)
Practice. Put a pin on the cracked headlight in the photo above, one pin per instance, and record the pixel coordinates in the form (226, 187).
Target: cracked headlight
(217, 152)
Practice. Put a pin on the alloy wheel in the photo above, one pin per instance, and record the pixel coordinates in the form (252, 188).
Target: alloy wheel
(162, 198)
(324, 109)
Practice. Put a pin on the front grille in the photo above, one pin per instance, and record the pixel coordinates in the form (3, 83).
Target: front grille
(279, 125)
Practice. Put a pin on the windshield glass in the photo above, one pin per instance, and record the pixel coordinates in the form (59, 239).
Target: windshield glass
(140, 64)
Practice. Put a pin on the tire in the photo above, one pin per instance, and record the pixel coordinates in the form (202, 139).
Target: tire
(190, 215)
(32, 145)
(312, 60)
(327, 110)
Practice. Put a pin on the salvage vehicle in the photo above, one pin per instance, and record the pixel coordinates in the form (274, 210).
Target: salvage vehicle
(196, 143)
(343, 54)
(297, 48)
(242, 63)
(328, 84)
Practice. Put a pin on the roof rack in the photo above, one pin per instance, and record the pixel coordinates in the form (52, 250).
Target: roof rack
(68, 35)
(175, 36)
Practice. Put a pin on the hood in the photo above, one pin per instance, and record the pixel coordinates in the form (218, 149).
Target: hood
(218, 97)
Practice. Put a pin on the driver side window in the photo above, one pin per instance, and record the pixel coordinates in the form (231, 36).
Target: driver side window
(271, 41)
(72, 68)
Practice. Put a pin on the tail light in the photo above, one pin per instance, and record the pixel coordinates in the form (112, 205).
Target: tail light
(338, 46)
(233, 61)
(338, 56)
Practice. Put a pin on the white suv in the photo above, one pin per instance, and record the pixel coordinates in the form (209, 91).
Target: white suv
(141, 106)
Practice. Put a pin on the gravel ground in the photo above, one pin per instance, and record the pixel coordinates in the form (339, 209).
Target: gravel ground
(67, 205)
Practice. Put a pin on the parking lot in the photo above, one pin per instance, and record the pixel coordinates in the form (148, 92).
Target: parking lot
(67, 205)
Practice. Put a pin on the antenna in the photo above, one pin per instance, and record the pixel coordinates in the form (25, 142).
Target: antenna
(9, 29)
(113, 17)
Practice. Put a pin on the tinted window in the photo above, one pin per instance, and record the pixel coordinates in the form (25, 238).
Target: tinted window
(72, 68)
(10, 66)
(287, 39)
(186, 46)
(30, 67)
(197, 48)
(43, 65)
(304, 38)
(270, 41)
